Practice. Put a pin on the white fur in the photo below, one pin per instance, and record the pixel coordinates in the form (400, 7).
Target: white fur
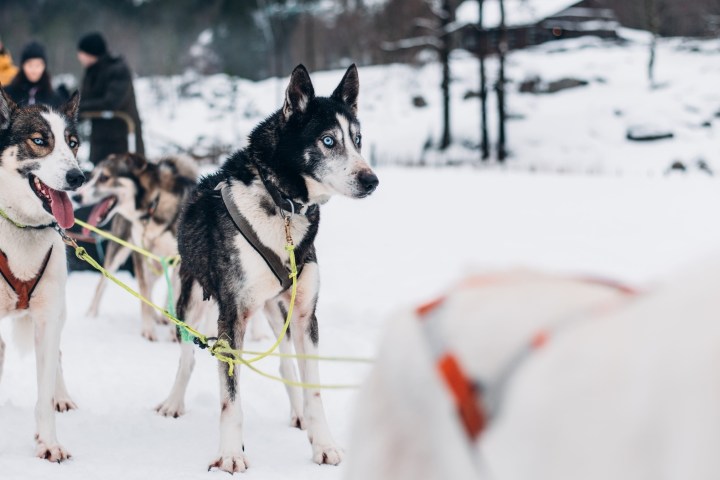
(628, 393)
(26, 249)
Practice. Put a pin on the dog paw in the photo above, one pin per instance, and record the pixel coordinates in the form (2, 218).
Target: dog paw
(149, 334)
(231, 464)
(171, 408)
(64, 405)
(298, 422)
(51, 453)
(327, 454)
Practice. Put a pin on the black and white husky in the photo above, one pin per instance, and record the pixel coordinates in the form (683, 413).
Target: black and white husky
(38, 146)
(296, 160)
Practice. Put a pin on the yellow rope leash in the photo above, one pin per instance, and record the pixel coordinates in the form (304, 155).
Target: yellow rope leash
(172, 261)
(221, 348)
(6, 217)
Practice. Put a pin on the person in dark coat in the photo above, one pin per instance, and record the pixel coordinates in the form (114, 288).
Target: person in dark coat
(107, 85)
(32, 84)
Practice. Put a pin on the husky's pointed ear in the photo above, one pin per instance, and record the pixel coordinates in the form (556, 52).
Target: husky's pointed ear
(7, 106)
(299, 92)
(349, 88)
(136, 162)
(71, 108)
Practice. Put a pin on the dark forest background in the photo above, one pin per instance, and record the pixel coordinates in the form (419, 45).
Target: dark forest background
(261, 38)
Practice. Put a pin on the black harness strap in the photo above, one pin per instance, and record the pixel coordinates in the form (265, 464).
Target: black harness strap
(283, 201)
(271, 258)
(23, 288)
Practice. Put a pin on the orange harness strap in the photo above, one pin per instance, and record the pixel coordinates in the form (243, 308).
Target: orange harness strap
(473, 410)
(471, 413)
(23, 288)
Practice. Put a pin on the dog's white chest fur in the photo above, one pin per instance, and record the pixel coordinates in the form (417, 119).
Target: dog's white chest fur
(270, 229)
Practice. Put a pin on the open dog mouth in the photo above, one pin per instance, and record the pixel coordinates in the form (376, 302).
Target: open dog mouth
(100, 213)
(55, 202)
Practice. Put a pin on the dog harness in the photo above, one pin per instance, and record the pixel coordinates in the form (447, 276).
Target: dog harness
(478, 402)
(23, 288)
(273, 261)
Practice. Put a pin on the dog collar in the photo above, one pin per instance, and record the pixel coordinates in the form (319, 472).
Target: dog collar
(284, 202)
(20, 225)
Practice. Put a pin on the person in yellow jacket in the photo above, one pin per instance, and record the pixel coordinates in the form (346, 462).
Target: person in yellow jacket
(7, 69)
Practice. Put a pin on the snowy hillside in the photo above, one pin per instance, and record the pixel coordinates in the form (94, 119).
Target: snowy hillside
(579, 130)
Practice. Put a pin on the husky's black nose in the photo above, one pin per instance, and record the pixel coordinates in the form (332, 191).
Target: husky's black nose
(368, 181)
(75, 178)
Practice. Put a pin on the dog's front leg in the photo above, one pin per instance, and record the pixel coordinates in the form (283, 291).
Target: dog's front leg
(48, 326)
(2, 356)
(306, 339)
(146, 279)
(62, 400)
(275, 311)
(231, 327)
(114, 258)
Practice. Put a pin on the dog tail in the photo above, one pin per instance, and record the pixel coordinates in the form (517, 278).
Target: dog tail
(23, 333)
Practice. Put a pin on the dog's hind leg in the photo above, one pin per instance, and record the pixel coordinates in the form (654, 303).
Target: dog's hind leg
(231, 327)
(276, 311)
(61, 399)
(115, 257)
(48, 326)
(305, 335)
(189, 307)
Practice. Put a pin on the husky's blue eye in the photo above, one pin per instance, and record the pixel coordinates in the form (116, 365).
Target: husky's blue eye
(38, 141)
(358, 139)
(73, 143)
(328, 141)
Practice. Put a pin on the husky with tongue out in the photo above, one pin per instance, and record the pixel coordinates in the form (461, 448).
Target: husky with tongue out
(38, 165)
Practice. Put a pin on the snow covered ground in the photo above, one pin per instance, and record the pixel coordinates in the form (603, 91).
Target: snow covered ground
(581, 130)
(420, 231)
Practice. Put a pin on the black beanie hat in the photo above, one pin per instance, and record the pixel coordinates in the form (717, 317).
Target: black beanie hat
(33, 50)
(93, 43)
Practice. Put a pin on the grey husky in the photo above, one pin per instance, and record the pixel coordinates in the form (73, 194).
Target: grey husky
(147, 195)
(296, 159)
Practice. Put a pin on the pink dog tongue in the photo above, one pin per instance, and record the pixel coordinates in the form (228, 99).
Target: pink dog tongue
(97, 213)
(61, 208)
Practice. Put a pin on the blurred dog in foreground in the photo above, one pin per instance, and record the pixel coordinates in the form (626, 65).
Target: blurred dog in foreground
(148, 195)
(524, 376)
(38, 165)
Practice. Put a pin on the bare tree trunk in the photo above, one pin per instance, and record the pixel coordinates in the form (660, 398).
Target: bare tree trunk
(445, 19)
(484, 142)
(653, 23)
(500, 86)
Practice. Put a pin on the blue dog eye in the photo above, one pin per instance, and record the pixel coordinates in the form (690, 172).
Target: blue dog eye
(328, 141)
(357, 139)
(38, 141)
